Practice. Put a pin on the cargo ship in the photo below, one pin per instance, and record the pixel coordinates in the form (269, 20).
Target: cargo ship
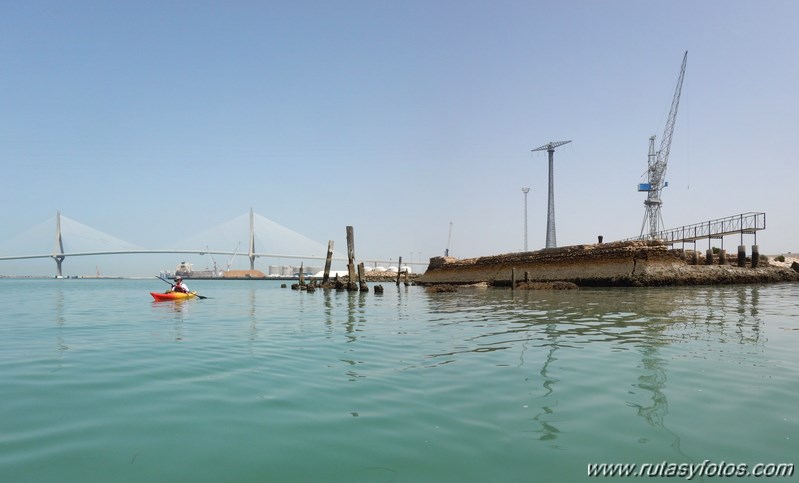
(186, 270)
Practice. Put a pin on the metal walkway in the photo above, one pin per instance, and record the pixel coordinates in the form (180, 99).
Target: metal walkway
(745, 223)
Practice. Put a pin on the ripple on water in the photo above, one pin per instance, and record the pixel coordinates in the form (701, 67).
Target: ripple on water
(481, 385)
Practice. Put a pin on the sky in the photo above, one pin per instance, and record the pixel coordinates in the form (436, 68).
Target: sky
(411, 121)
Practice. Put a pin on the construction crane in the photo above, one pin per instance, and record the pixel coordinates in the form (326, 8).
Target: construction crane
(657, 162)
(550, 147)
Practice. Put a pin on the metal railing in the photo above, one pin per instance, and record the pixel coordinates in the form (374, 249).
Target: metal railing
(744, 223)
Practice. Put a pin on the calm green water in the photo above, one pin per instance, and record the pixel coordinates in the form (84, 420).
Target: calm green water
(261, 383)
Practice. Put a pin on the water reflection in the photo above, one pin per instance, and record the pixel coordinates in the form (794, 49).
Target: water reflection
(545, 326)
(253, 319)
(61, 345)
(724, 314)
(178, 310)
(547, 430)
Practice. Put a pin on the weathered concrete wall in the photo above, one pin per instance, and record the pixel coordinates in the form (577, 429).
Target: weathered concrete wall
(609, 264)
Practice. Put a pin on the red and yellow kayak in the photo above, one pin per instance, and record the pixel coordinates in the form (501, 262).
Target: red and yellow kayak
(158, 296)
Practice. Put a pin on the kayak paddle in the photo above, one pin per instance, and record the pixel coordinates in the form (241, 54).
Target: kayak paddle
(173, 285)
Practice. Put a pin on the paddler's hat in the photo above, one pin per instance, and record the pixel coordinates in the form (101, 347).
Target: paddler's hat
(178, 278)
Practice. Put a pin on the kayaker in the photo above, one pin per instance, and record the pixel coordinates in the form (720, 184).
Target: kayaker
(180, 286)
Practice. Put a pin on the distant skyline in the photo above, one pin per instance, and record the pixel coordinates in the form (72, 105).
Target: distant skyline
(153, 121)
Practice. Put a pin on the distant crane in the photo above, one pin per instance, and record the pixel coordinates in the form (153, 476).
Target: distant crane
(230, 260)
(525, 191)
(550, 147)
(216, 270)
(449, 240)
(657, 163)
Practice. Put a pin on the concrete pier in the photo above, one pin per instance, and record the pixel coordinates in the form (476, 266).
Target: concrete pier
(637, 263)
(741, 255)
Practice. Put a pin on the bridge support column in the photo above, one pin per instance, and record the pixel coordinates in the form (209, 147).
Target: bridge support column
(709, 257)
(755, 255)
(741, 255)
(722, 257)
(58, 261)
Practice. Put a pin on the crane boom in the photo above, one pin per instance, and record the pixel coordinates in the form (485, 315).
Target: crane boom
(659, 161)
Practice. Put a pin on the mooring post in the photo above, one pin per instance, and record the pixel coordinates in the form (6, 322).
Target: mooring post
(302, 275)
(361, 278)
(741, 255)
(755, 255)
(328, 261)
(513, 278)
(351, 254)
(399, 270)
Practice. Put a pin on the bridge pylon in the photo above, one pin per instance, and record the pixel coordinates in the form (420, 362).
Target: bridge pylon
(251, 254)
(58, 248)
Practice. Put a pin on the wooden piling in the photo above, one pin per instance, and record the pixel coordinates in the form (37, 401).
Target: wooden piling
(513, 278)
(328, 261)
(361, 278)
(399, 270)
(351, 254)
(302, 274)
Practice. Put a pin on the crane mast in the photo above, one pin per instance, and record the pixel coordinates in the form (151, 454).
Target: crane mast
(657, 163)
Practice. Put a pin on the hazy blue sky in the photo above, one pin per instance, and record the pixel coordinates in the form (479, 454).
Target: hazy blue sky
(155, 121)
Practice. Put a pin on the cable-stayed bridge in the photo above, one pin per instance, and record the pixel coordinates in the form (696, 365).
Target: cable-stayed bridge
(73, 239)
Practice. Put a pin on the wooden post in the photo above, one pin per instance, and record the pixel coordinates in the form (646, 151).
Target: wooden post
(361, 278)
(328, 261)
(399, 270)
(513, 279)
(302, 275)
(351, 254)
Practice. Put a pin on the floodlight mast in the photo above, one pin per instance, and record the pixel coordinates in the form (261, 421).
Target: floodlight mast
(550, 148)
(657, 164)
